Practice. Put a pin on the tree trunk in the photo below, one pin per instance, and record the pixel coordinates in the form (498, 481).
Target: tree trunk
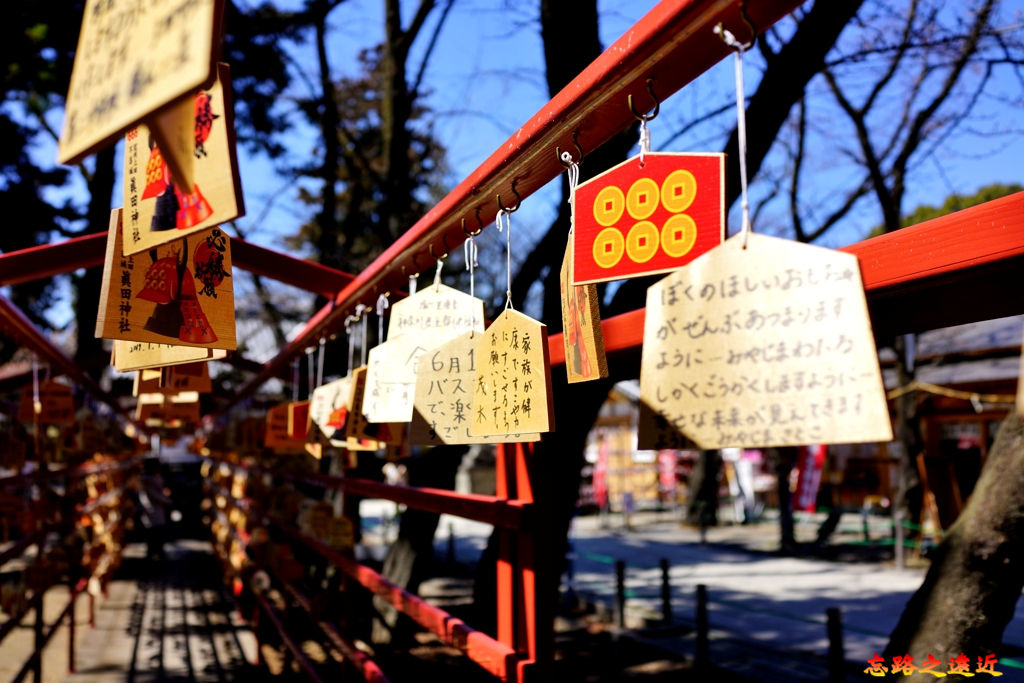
(977, 573)
(702, 504)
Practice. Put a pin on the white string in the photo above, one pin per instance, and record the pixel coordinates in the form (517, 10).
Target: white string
(573, 171)
(412, 283)
(741, 125)
(295, 379)
(37, 406)
(470, 252)
(320, 362)
(351, 341)
(361, 311)
(437, 274)
(309, 372)
(382, 303)
(645, 140)
(508, 253)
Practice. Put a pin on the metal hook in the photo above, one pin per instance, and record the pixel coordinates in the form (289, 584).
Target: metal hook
(475, 232)
(741, 47)
(519, 200)
(579, 150)
(657, 103)
(444, 240)
(416, 263)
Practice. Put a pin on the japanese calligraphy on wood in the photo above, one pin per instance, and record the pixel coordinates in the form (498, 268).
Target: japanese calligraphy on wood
(157, 210)
(134, 58)
(56, 404)
(276, 436)
(445, 387)
(420, 322)
(581, 326)
(765, 346)
(436, 311)
(179, 293)
(186, 377)
(636, 220)
(513, 378)
(129, 355)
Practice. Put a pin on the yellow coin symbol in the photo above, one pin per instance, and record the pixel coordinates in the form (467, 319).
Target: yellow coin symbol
(608, 205)
(642, 198)
(678, 235)
(642, 241)
(678, 191)
(608, 247)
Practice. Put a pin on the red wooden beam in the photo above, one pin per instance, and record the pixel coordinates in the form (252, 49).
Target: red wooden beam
(672, 44)
(18, 326)
(48, 260)
(494, 657)
(955, 269)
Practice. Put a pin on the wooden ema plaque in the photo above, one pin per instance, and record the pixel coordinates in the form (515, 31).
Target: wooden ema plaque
(765, 346)
(329, 410)
(186, 377)
(56, 404)
(298, 420)
(276, 435)
(167, 412)
(133, 59)
(357, 428)
(419, 323)
(513, 378)
(445, 387)
(179, 293)
(582, 336)
(156, 209)
(638, 219)
(127, 355)
(437, 310)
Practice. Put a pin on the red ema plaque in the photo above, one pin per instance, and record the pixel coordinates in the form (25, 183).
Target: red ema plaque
(637, 220)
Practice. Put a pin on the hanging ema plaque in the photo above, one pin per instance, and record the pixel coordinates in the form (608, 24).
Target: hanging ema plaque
(179, 293)
(637, 219)
(513, 378)
(133, 59)
(765, 346)
(157, 210)
(445, 387)
(582, 337)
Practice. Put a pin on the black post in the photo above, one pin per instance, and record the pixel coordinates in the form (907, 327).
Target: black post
(666, 593)
(620, 592)
(702, 659)
(836, 656)
(71, 630)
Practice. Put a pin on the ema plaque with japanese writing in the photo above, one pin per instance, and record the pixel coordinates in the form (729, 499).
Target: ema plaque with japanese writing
(513, 378)
(156, 209)
(582, 336)
(419, 323)
(132, 355)
(437, 311)
(636, 219)
(357, 429)
(133, 59)
(445, 386)
(765, 346)
(178, 293)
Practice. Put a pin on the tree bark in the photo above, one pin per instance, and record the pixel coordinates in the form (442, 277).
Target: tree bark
(977, 573)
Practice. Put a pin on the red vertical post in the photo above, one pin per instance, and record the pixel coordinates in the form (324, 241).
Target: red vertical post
(505, 587)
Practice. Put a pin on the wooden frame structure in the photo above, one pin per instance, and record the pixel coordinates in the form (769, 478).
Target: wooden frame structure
(970, 261)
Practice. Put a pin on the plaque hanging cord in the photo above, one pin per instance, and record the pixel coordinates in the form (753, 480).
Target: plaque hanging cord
(382, 304)
(320, 362)
(470, 251)
(310, 373)
(741, 115)
(503, 214)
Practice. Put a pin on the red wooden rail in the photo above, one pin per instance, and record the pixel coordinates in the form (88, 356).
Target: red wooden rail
(488, 509)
